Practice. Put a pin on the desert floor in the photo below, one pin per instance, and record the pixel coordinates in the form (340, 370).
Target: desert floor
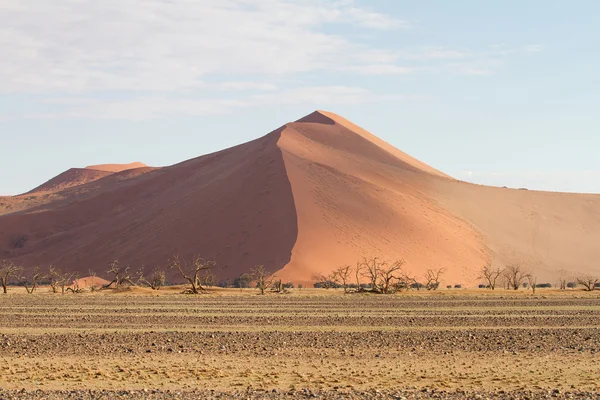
(310, 343)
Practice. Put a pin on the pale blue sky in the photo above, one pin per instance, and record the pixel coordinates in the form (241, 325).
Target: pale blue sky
(496, 92)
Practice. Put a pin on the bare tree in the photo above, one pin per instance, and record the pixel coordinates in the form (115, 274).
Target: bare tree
(121, 275)
(532, 281)
(30, 283)
(326, 281)
(588, 282)
(208, 278)
(54, 275)
(563, 279)
(433, 277)
(156, 281)
(388, 274)
(358, 271)
(263, 278)
(490, 275)
(372, 270)
(93, 286)
(515, 276)
(342, 274)
(60, 279)
(8, 269)
(197, 267)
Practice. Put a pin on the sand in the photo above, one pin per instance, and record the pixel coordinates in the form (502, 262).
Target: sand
(308, 197)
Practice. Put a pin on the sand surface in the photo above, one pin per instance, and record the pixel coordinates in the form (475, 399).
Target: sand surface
(308, 197)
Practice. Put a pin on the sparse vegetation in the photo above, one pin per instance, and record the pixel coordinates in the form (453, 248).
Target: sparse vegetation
(515, 276)
(8, 270)
(198, 267)
(490, 275)
(432, 278)
(157, 280)
(263, 278)
(30, 282)
(589, 283)
(122, 276)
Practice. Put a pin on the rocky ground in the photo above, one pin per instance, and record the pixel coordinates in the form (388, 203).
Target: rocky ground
(304, 345)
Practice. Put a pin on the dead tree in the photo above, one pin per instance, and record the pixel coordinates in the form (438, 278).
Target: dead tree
(8, 270)
(433, 277)
(532, 282)
(372, 268)
(357, 274)
(515, 276)
(74, 288)
(30, 283)
(326, 281)
(93, 286)
(208, 279)
(60, 279)
(121, 275)
(156, 281)
(342, 274)
(54, 275)
(563, 279)
(588, 282)
(263, 278)
(197, 267)
(388, 274)
(490, 275)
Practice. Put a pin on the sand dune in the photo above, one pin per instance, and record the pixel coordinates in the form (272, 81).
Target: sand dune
(306, 198)
(116, 167)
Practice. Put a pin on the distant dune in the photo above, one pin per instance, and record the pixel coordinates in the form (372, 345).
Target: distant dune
(306, 198)
(116, 167)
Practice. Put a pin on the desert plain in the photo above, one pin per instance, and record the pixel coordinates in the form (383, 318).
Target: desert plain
(307, 343)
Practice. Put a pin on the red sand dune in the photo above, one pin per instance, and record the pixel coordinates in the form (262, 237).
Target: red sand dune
(306, 198)
(116, 167)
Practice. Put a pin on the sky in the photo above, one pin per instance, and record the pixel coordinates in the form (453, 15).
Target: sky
(504, 93)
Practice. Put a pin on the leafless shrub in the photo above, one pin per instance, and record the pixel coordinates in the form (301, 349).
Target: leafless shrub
(263, 278)
(490, 275)
(30, 282)
(326, 281)
(385, 278)
(60, 279)
(358, 271)
(93, 286)
(157, 279)
(342, 274)
(197, 268)
(433, 277)
(122, 275)
(588, 282)
(388, 275)
(563, 279)
(532, 282)
(515, 276)
(8, 270)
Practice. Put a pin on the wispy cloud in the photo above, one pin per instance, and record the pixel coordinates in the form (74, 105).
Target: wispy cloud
(150, 58)
(158, 106)
(161, 45)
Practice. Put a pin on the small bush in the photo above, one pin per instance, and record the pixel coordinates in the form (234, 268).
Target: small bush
(458, 286)
(543, 285)
(449, 287)
(572, 285)
(482, 286)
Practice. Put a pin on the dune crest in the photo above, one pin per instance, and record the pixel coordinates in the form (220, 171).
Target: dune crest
(116, 167)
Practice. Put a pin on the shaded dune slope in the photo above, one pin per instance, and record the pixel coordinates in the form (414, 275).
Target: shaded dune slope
(235, 206)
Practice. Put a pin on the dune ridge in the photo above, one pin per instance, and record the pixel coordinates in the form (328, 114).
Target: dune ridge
(306, 198)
